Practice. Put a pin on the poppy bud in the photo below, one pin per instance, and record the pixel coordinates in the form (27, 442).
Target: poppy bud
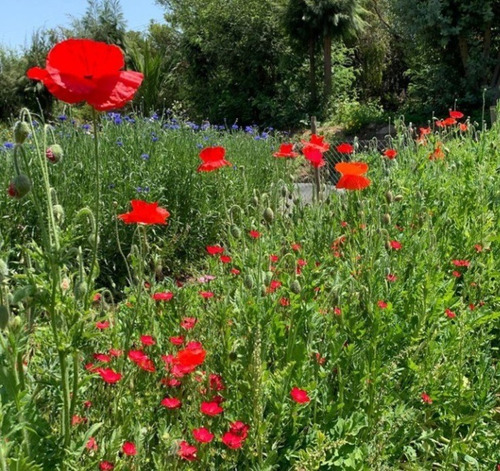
(295, 287)
(389, 197)
(387, 245)
(21, 131)
(263, 290)
(4, 270)
(20, 186)
(81, 289)
(58, 211)
(235, 231)
(386, 218)
(268, 215)
(248, 281)
(54, 153)
(4, 317)
(398, 197)
(255, 201)
(15, 323)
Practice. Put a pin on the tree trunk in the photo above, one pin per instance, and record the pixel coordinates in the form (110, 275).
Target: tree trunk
(327, 62)
(464, 51)
(313, 89)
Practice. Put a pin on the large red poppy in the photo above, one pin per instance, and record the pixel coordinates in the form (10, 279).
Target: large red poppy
(286, 151)
(317, 142)
(85, 70)
(213, 158)
(315, 156)
(145, 213)
(352, 175)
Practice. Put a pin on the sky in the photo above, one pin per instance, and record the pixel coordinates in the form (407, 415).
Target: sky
(21, 17)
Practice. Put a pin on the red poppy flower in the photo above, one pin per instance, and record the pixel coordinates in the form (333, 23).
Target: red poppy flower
(449, 121)
(214, 249)
(147, 340)
(390, 153)
(425, 131)
(216, 383)
(352, 175)
(254, 234)
(188, 322)
(163, 296)
(463, 127)
(108, 375)
(213, 158)
(461, 263)
(101, 325)
(395, 245)
(171, 403)
(102, 357)
(225, 259)
(176, 340)
(129, 449)
(232, 441)
(114, 352)
(191, 357)
(203, 435)
(187, 451)
(299, 395)
(456, 114)
(211, 408)
(85, 70)
(449, 313)
(145, 213)
(345, 148)
(296, 247)
(106, 466)
(438, 152)
(314, 156)
(316, 142)
(381, 304)
(391, 277)
(235, 271)
(206, 294)
(91, 444)
(426, 398)
(286, 151)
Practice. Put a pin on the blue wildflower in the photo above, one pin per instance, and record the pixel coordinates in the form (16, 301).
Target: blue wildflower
(85, 127)
(249, 129)
(145, 156)
(119, 143)
(200, 146)
(62, 117)
(8, 145)
(235, 126)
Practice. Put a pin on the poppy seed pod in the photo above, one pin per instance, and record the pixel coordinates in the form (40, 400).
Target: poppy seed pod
(4, 270)
(21, 131)
(4, 317)
(54, 153)
(268, 215)
(255, 201)
(389, 197)
(20, 186)
(248, 281)
(58, 211)
(295, 287)
(235, 231)
(386, 218)
(398, 197)
(81, 289)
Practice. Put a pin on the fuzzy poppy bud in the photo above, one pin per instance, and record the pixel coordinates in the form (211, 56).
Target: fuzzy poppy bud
(4, 317)
(19, 187)
(21, 131)
(386, 218)
(235, 231)
(389, 197)
(54, 153)
(255, 201)
(15, 323)
(268, 215)
(295, 287)
(398, 197)
(248, 281)
(81, 289)
(4, 270)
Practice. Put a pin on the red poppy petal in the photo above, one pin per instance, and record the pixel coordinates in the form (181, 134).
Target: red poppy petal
(115, 91)
(353, 182)
(37, 73)
(212, 154)
(351, 168)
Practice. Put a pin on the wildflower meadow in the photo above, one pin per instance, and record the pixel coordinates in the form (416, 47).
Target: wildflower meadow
(170, 301)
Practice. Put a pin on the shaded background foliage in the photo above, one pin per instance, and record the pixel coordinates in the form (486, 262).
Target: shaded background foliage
(275, 62)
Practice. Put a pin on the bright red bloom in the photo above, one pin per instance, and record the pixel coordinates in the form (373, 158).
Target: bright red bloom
(478, 247)
(285, 302)
(426, 398)
(176, 340)
(225, 259)
(273, 258)
(381, 304)
(456, 274)
(286, 151)
(85, 70)
(142, 360)
(114, 352)
(216, 382)
(314, 156)
(235, 271)
(463, 127)
(240, 429)
(299, 395)
(254, 234)
(106, 466)
(395, 245)
(438, 152)
(108, 375)
(211, 408)
(316, 142)
(147, 340)
(103, 358)
(449, 121)
(461, 263)
(391, 277)
(163, 296)
(171, 403)
(129, 449)
(345, 148)
(188, 322)
(213, 158)
(190, 357)
(232, 441)
(214, 249)
(203, 435)
(91, 444)
(352, 175)
(206, 294)
(296, 247)
(101, 325)
(390, 153)
(145, 213)
(456, 114)
(425, 131)
(274, 285)
(449, 313)
(187, 451)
